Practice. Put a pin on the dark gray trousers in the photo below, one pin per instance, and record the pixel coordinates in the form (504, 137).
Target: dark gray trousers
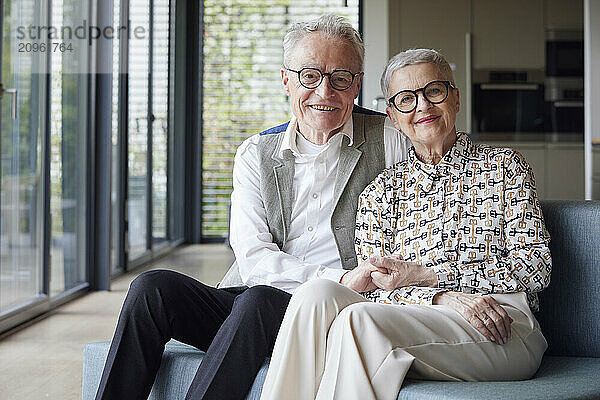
(235, 327)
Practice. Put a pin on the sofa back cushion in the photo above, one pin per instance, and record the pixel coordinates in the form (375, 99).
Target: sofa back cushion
(569, 307)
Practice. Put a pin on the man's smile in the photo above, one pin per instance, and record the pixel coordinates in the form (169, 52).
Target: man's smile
(321, 107)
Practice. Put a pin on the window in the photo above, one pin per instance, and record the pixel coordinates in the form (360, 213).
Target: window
(148, 127)
(137, 157)
(44, 157)
(68, 153)
(49, 177)
(159, 118)
(242, 85)
(22, 166)
(117, 262)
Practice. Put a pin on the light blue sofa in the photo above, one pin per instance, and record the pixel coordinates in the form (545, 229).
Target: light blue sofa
(569, 317)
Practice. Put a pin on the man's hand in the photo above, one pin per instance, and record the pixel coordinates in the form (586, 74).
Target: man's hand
(359, 279)
(481, 311)
(393, 272)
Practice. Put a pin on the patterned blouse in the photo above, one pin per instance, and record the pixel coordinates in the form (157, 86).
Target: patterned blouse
(474, 218)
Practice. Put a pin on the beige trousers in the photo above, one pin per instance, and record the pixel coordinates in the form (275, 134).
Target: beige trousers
(334, 344)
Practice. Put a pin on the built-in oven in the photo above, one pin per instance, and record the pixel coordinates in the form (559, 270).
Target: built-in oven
(508, 102)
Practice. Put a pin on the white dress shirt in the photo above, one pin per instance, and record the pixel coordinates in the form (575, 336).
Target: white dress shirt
(310, 250)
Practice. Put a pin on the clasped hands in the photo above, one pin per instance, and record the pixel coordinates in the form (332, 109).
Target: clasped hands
(387, 273)
(390, 272)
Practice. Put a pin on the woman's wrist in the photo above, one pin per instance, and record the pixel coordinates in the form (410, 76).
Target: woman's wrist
(433, 280)
(427, 277)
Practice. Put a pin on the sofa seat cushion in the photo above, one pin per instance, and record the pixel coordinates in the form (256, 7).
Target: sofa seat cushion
(557, 378)
(177, 369)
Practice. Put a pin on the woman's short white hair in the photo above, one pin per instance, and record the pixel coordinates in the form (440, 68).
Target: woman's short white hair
(412, 57)
(331, 25)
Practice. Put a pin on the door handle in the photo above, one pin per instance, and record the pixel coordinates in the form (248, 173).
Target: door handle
(14, 92)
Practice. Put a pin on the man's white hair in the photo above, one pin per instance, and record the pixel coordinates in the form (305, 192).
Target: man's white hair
(331, 25)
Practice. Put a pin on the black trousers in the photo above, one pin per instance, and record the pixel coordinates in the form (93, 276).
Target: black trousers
(235, 327)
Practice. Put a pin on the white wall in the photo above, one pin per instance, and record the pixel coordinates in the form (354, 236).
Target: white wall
(375, 34)
(591, 85)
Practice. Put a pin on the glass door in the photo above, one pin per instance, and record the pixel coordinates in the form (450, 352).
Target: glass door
(159, 118)
(22, 130)
(138, 144)
(43, 156)
(68, 148)
(148, 130)
(119, 123)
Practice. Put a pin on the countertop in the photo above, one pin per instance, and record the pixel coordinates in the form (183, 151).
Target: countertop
(530, 137)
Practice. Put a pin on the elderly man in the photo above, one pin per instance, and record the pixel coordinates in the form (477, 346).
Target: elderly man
(294, 202)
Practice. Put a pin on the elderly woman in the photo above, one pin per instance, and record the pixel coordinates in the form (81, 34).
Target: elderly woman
(456, 249)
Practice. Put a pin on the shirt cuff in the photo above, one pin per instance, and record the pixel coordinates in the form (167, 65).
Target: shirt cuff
(407, 295)
(425, 295)
(333, 274)
(446, 276)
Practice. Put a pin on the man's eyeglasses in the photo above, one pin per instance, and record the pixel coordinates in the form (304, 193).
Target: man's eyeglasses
(434, 92)
(311, 78)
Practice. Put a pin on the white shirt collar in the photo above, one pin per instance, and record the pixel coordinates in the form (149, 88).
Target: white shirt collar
(289, 139)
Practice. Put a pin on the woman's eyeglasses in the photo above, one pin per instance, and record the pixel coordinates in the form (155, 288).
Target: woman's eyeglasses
(434, 92)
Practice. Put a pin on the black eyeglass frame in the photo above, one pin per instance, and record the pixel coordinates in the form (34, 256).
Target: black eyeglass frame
(323, 75)
(447, 84)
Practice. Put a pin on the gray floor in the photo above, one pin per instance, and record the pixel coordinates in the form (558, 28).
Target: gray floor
(44, 360)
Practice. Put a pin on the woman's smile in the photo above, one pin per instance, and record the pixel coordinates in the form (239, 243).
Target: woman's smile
(428, 119)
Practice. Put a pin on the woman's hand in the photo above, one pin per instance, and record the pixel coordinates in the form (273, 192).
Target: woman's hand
(359, 278)
(481, 311)
(393, 272)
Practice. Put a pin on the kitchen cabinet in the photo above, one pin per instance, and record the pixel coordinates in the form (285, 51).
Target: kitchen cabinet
(508, 34)
(563, 15)
(565, 171)
(443, 26)
(596, 189)
(596, 161)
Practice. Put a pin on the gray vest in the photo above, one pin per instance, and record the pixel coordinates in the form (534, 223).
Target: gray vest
(358, 165)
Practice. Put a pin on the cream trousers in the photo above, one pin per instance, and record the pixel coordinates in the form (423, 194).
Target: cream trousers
(334, 344)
